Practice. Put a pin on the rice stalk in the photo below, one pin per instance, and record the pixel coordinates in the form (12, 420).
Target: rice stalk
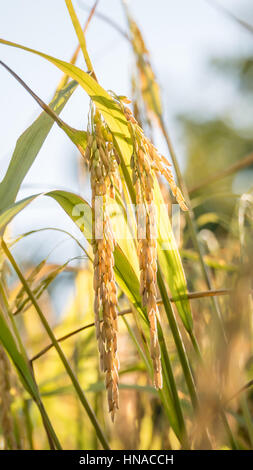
(5, 402)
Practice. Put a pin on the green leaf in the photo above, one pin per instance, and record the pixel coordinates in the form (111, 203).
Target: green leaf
(108, 107)
(170, 262)
(7, 215)
(77, 208)
(28, 147)
(10, 345)
(80, 212)
(79, 33)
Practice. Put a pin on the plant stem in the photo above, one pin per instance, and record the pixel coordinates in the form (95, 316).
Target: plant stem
(228, 430)
(28, 423)
(178, 340)
(168, 373)
(242, 163)
(191, 295)
(168, 377)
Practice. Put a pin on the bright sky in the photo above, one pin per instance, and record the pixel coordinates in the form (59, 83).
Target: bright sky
(181, 35)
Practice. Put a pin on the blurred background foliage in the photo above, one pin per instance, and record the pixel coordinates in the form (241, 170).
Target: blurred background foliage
(212, 142)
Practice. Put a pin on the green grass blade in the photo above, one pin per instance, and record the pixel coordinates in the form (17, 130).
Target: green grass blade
(170, 261)
(80, 212)
(8, 213)
(178, 340)
(10, 345)
(80, 34)
(168, 395)
(28, 146)
(78, 137)
(109, 109)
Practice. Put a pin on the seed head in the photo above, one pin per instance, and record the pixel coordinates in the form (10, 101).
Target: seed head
(104, 179)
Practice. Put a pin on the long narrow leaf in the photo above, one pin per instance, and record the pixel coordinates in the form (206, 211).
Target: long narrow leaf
(110, 110)
(28, 146)
(79, 33)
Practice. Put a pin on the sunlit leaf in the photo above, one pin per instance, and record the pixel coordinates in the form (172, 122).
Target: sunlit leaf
(28, 146)
(108, 107)
(79, 33)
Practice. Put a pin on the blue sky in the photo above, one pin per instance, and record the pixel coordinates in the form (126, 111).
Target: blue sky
(181, 35)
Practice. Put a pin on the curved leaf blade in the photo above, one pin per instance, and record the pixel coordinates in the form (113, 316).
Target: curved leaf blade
(28, 146)
(110, 110)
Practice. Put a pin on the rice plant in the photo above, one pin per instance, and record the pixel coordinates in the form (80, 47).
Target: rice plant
(163, 359)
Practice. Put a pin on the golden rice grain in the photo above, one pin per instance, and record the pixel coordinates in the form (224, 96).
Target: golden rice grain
(147, 249)
(103, 168)
(146, 160)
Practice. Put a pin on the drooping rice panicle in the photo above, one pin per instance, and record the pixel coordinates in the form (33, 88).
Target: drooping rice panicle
(145, 162)
(145, 76)
(104, 178)
(147, 254)
(147, 250)
(158, 162)
(103, 164)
